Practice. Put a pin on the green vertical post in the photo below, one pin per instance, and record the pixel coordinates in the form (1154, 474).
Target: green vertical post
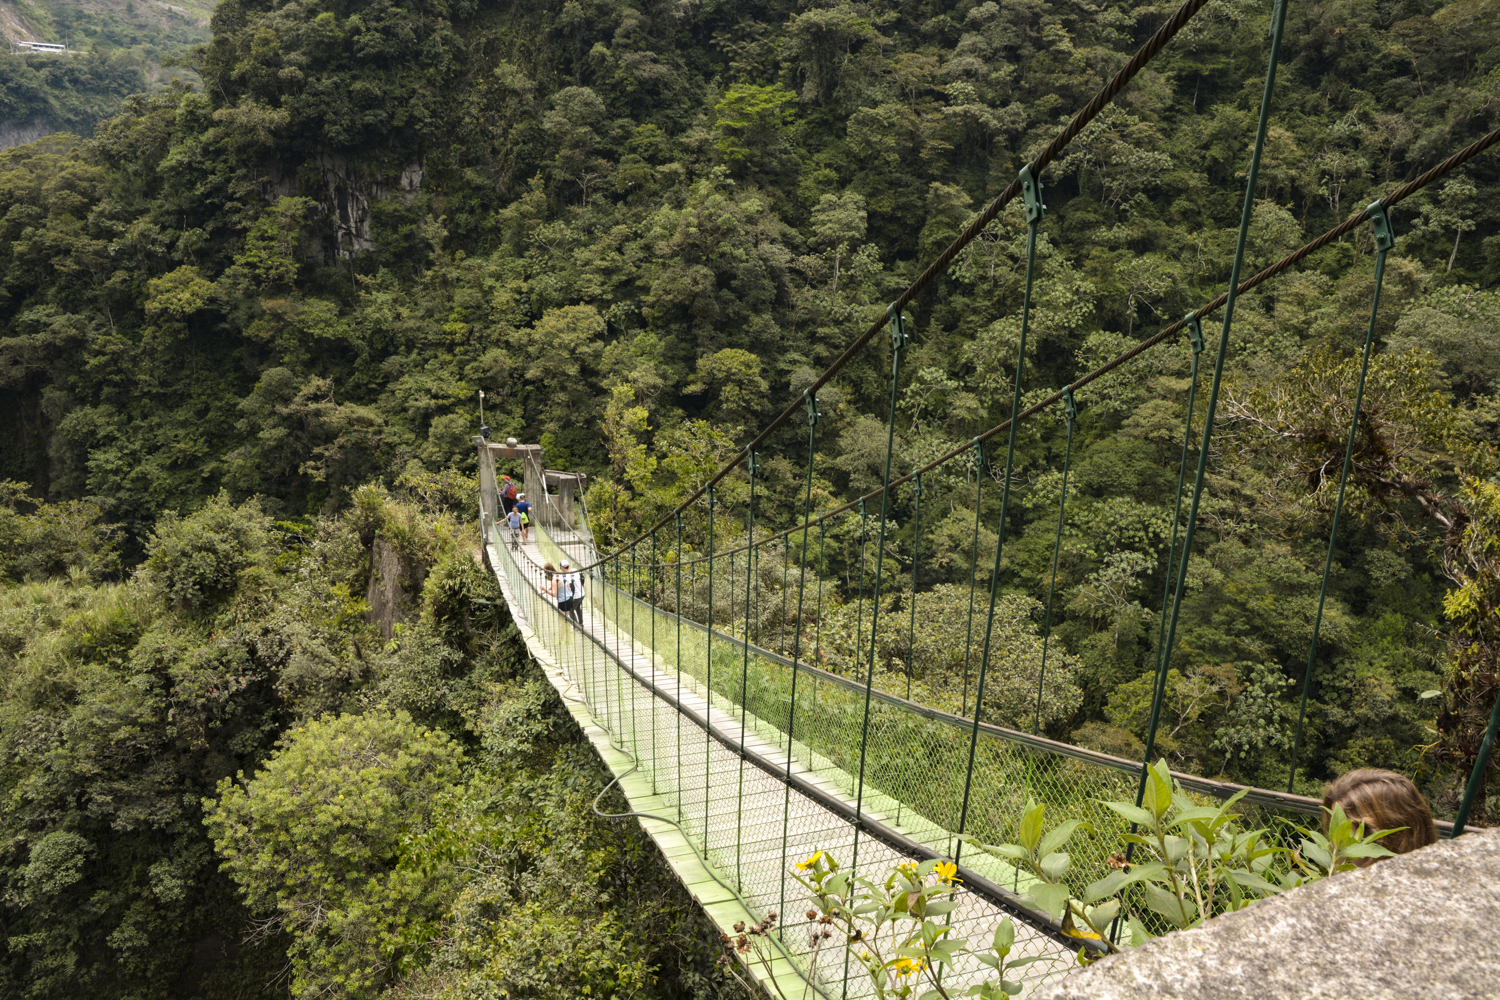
(708, 673)
(678, 780)
(751, 466)
(1385, 238)
(911, 628)
(900, 338)
(651, 659)
(916, 561)
(791, 719)
(859, 608)
(973, 567)
(1477, 776)
(1278, 22)
(1194, 327)
(1070, 412)
(1031, 191)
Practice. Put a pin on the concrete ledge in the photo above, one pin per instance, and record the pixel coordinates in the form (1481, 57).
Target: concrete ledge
(1423, 925)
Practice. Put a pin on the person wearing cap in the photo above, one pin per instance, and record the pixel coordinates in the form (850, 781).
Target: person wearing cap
(507, 494)
(523, 507)
(570, 583)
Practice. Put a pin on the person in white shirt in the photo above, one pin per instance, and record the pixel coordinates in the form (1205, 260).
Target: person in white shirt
(570, 593)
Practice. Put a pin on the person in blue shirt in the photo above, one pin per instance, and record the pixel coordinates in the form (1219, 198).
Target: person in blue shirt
(523, 507)
(514, 520)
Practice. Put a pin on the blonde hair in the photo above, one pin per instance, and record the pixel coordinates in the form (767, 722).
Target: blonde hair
(1383, 800)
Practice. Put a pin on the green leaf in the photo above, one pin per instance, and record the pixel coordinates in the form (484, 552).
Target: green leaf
(1061, 835)
(1031, 826)
(1163, 903)
(1055, 866)
(1051, 899)
(1104, 912)
(1132, 813)
(1005, 936)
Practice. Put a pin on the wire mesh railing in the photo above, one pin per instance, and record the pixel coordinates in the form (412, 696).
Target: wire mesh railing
(750, 798)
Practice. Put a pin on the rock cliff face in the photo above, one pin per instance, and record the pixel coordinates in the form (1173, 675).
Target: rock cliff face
(20, 133)
(344, 192)
(391, 602)
(1419, 925)
(14, 27)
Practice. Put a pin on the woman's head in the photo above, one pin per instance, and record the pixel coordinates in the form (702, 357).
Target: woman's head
(1383, 800)
(548, 568)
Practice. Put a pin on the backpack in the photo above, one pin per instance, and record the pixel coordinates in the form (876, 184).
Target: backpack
(510, 491)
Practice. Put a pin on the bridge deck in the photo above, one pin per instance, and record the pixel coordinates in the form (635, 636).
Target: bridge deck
(728, 808)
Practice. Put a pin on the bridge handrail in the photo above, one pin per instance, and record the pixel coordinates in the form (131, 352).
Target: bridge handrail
(979, 883)
(1264, 797)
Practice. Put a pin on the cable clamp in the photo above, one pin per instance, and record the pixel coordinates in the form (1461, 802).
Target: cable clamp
(1031, 192)
(1194, 327)
(1385, 233)
(900, 332)
(752, 461)
(1070, 405)
(711, 501)
(811, 399)
(916, 486)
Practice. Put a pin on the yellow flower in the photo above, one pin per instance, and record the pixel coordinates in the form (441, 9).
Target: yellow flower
(947, 873)
(909, 966)
(810, 862)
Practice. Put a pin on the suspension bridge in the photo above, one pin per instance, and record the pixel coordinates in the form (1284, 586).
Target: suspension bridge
(740, 761)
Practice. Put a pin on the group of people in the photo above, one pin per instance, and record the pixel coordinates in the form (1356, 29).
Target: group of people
(517, 510)
(565, 587)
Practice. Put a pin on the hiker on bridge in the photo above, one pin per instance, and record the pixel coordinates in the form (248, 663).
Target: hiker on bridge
(513, 520)
(569, 592)
(507, 494)
(523, 507)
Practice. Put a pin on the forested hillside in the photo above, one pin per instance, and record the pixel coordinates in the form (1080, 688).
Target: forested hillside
(641, 230)
(117, 48)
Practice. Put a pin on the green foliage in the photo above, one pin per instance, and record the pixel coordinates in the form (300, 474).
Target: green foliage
(194, 560)
(899, 930)
(61, 539)
(752, 120)
(315, 839)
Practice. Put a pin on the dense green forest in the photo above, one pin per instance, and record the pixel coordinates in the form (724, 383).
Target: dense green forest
(242, 326)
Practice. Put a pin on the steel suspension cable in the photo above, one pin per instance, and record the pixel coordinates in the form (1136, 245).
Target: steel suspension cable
(1203, 312)
(1032, 189)
(1385, 238)
(1278, 23)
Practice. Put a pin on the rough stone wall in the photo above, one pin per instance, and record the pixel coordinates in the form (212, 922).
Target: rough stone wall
(1422, 925)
